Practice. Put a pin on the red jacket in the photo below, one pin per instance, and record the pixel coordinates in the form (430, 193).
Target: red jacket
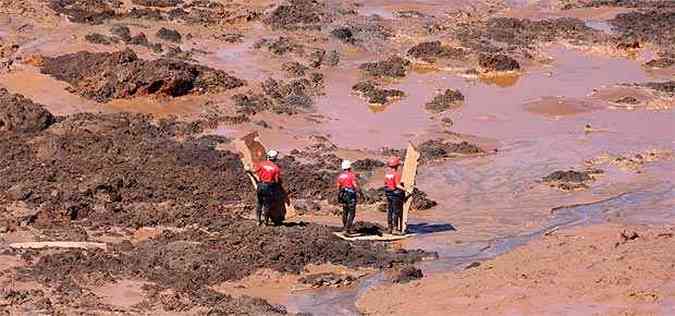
(268, 172)
(392, 178)
(346, 179)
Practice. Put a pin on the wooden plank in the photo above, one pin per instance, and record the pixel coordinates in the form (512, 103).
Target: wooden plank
(58, 244)
(383, 237)
(412, 157)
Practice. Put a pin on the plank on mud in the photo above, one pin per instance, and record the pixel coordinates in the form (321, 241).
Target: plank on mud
(384, 237)
(58, 244)
(412, 157)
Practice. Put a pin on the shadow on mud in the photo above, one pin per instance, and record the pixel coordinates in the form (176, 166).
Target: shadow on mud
(426, 228)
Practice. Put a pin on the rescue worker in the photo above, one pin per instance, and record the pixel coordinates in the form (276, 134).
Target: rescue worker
(395, 193)
(268, 175)
(347, 185)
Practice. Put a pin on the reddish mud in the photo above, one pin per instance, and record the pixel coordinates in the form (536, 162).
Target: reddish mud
(503, 98)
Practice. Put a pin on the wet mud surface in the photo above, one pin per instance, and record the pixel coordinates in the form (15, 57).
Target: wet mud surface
(118, 121)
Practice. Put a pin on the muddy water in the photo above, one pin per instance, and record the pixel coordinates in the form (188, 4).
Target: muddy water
(492, 204)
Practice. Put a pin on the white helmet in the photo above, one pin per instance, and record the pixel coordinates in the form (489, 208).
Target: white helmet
(346, 164)
(272, 154)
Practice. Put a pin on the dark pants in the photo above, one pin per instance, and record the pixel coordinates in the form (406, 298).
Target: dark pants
(267, 193)
(348, 200)
(395, 200)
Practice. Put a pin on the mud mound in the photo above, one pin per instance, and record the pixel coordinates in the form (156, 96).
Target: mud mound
(158, 3)
(571, 180)
(106, 76)
(407, 274)
(85, 11)
(526, 33)
(653, 26)
(497, 62)
(97, 38)
(437, 149)
(367, 31)
(169, 35)
(449, 99)
(121, 169)
(367, 164)
(623, 3)
(376, 95)
(394, 66)
(281, 97)
(299, 14)
(431, 51)
(18, 114)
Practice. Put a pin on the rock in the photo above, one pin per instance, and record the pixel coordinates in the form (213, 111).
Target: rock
(122, 32)
(375, 94)
(660, 63)
(449, 99)
(169, 35)
(19, 192)
(344, 34)
(407, 274)
(394, 66)
(497, 62)
(21, 115)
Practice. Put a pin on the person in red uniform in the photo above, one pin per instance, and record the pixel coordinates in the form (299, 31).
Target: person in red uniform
(395, 193)
(268, 175)
(347, 185)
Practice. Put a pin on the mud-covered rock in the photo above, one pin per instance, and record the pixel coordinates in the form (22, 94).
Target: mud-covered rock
(327, 279)
(571, 180)
(169, 35)
(122, 32)
(21, 115)
(627, 100)
(158, 3)
(667, 87)
(298, 14)
(653, 26)
(431, 51)
(407, 274)
(393, 66)
(106, 76)
(447, 100)
(497, 62)
(525, 33)
(344, 34)
(437, 149)
(376, 95)
(660, 62)
(279, 46)
(141, 40)
(294, 69)
(98, 38)
(85, 11)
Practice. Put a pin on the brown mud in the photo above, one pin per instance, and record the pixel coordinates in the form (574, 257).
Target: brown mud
(544, 85)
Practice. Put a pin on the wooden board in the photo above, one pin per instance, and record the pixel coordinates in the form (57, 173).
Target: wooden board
(384, 237)
(58, 244)
(412, 157)
(253, 151)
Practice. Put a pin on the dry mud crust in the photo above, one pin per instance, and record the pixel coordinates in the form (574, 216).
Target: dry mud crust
(445, 101)
(106, 76)
(86, 11)
(376, 95)
(120, 169)
(431, 51)
(19, 114)
(187, 263)
(437, 149)
(394, 67)
(654, 26)
(571, 180)
(299, 14)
